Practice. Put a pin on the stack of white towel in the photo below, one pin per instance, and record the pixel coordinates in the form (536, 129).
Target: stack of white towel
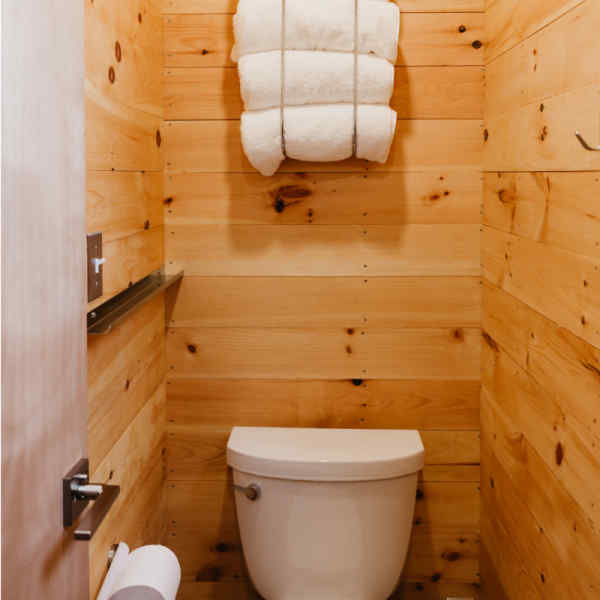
(319, 75)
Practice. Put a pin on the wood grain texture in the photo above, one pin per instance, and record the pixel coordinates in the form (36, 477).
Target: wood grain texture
(126, 390)
(558, 284)
(44, 411)
(558, 59)
(551, 208)
(324, 353)
(419, 93)
(122, 204)
(205, 40)
(509, 22)
(328, 302)
(541, 137)
(136, 463)
(124, 368)
(308, 250)
(418, 404)
(229, 6)
(199, 453)
(419, 145)
(208, 544)
(130, 259)
(331, 295)
(448, 197)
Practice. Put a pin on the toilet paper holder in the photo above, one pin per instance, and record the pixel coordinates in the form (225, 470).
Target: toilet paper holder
(77, 494)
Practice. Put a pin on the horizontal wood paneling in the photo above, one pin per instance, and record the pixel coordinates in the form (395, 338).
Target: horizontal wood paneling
(560, 58)
(207, 540)
(205, 40)
(124, 368)
(229, 6)
(197, 452)
(419, 145)
(560, 285)
(135, 463)
(309, 250)
(296, 284)
(330, 302)
(568, 538)
(136, 60)
(379, 404)
(324, 353)
(509, 22)
(549, 429)
(120, 138)
(130, 259)
(541, 137)
(552, 208)
(419, 93)
(567, 366)
(240, 590)
(121, 204)
(448, 197)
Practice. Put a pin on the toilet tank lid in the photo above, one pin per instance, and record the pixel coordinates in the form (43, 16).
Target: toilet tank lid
(325, 454)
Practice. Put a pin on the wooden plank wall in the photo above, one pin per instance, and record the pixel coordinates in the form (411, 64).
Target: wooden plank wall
(357, 305)
(541, 360)
(126, 369)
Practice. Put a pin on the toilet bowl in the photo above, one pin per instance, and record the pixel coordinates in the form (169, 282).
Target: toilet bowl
(325, 514)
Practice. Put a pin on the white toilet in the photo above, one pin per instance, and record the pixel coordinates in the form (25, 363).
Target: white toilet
(325, 514)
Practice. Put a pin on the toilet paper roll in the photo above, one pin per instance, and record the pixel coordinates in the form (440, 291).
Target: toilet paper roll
(149, 573)
(118, 564)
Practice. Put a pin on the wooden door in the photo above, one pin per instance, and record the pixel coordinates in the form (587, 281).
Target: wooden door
(44, 412)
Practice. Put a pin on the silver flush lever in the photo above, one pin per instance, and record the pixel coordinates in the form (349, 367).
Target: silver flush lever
(252, 492)
(585, 144)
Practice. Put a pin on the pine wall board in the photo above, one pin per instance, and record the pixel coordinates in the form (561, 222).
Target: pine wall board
(127, 368)
(541, 356)
(330, 295)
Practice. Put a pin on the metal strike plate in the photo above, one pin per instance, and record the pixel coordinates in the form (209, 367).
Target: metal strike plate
(94, 267)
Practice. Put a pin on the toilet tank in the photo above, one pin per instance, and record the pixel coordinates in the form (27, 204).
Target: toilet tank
(335, 510)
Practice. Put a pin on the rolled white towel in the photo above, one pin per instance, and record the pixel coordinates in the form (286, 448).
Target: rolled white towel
(317, 133)
(317, 25)
(313, 78)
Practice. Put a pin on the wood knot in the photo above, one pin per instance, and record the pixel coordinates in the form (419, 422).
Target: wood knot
(492, 484)
(204, 51)
(348, 349)
(209, 573)
(112, 76)
(192, 349)
(436, 577)
(158, 138)
(223, 547)
(542, 107)
(350, 331)
(146, 224)
(118, 52)
(279, 205)
(420, 494)
(140, 17)
(357, 382)
(462, 29)
(168, 201)
(486, 135)
(477, 44)
(560, 454)
(127, 384)
(451, 556)
(458, 334)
